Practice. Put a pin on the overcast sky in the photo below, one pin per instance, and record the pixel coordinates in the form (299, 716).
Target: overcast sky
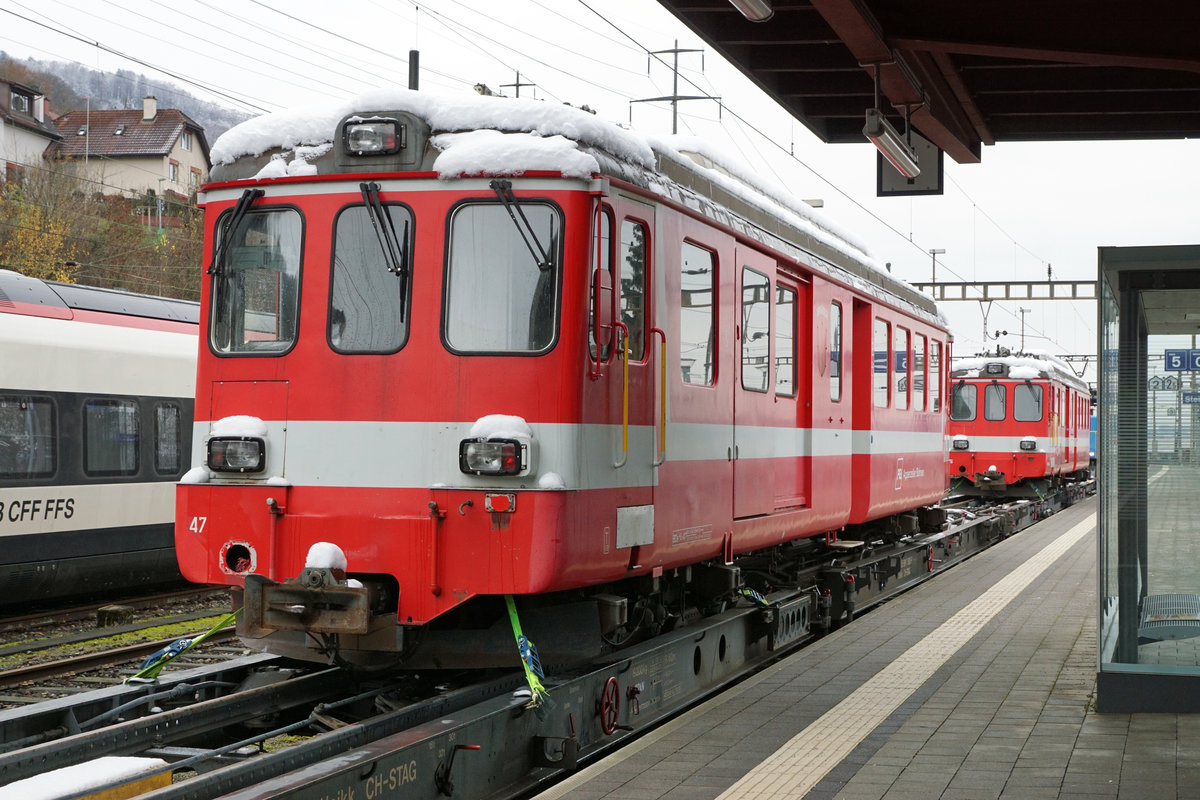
(1026, 207)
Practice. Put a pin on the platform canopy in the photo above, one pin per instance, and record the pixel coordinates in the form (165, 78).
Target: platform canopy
(969, 73)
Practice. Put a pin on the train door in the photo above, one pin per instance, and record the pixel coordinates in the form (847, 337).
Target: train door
(755, 442)
(633, 389)
(830, 394)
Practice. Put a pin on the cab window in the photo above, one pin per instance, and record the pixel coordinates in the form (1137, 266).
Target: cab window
(500, 297)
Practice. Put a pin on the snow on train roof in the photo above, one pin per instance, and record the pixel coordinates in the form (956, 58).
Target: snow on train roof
(510, 136)
(1021, 366)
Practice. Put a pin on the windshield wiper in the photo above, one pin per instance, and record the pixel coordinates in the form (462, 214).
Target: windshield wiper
(391, 244)
(221, 251)
(503, 190)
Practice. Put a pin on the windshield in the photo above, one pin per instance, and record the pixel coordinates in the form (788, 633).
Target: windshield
(499, 298)
(256, 284)
(366, 313)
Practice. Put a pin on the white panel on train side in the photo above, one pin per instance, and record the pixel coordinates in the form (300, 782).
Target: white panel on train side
(51, 509)
(53, 355)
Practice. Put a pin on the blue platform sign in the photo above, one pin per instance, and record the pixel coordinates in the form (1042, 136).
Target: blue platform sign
(1181, 360)
(1191, 398)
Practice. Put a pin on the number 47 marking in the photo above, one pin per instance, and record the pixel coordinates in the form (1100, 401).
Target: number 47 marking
(198, 524)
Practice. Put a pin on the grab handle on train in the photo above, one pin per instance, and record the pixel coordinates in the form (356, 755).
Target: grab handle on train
(661, 455)
(624, 329)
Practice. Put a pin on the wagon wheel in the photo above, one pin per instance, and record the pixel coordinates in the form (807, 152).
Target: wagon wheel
(610, 706)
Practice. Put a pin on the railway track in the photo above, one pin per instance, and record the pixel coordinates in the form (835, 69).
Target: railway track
(86, 646)
(258, 727)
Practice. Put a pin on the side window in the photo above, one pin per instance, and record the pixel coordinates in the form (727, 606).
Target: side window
(603, 256)
(110, 437)
(900, 369)
(785, 341)
(995, 398)
(835, 352)
(28, 434)
(881, 363)
(963, 399)
(696, 318)
(756, 330)
(918, 372)
(633, 286)
(1027, 402)
(935, 376)
(168, 443)
(368, 303)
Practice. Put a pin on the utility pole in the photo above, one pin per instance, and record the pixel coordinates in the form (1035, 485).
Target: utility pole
(518, 84)
(1023, 311)
(675, 96)
(935, 252)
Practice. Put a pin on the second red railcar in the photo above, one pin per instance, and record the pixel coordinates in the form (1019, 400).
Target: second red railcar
(1018, 425)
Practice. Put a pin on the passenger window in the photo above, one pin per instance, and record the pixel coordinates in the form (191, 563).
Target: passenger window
(633, 286)
(785, 341)
(27, 437)
(835, 352)
(935, 377)
(368, 303)
(918, 372)
(168, 439)
(900, 369)
(110, 434)
(881, 363)
(1027, 402)
(756, 330)
(696, 320)
(994, 402)
(963, 400)
(604, 257)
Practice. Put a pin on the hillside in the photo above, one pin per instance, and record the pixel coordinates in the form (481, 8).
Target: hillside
(67, 86)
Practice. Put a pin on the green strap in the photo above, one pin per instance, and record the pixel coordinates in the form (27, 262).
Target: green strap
(535, 684)
(166, 655)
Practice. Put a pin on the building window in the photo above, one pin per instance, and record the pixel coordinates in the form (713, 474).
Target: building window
(21, 103)
(174, 172)
(186, 140)
(194, 179)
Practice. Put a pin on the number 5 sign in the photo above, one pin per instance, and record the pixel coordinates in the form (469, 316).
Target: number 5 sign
(1178, 360)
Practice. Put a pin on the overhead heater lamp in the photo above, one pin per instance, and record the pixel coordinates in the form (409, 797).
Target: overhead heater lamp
(754, 10)
(891, 144)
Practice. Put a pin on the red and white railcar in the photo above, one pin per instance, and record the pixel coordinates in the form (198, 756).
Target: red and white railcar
(497, 347)
(1019, 425)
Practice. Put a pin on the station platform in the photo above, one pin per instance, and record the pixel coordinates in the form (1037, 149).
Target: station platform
(978, 684)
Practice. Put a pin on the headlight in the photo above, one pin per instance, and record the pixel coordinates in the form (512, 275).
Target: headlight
(961, 444)
(1029, 444)
(491, 456)
(236, 454)
(373, 137)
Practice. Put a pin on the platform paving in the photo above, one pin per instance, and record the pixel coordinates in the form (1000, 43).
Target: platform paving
(1006, 713)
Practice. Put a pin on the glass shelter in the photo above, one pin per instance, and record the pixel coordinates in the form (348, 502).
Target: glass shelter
(1148, 468)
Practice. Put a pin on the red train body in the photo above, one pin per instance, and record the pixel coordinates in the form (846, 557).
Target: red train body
(1018, 426)
(409, 355)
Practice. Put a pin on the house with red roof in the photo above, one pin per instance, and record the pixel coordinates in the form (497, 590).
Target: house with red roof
(132, 151)
(25, 130)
